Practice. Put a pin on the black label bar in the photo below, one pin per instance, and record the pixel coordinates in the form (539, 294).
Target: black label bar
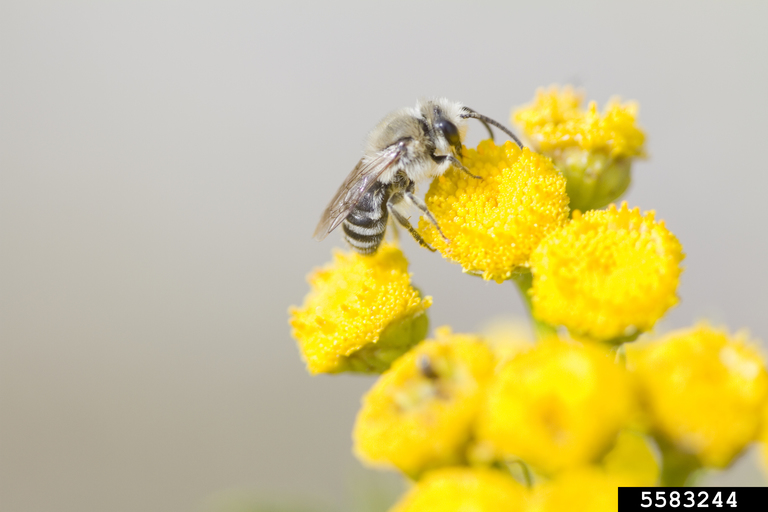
(711, 499)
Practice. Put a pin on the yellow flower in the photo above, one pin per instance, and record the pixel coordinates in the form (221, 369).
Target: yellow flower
(703, 391)
(494, 223)
(360, 314)
(555, 120)
(607, 274)
(558, 406)
(419, 414)
(594, 151)
(464, 490)
(585, 489)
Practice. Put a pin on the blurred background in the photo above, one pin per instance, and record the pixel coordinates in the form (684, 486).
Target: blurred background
(162, 168)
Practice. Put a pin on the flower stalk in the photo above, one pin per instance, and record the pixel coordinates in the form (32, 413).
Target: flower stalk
(678, 469)
(523, 279)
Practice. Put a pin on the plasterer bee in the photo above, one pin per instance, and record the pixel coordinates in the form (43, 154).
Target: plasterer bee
(407, 146)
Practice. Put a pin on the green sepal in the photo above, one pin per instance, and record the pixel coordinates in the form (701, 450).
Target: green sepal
(594, 178)
(396, 339)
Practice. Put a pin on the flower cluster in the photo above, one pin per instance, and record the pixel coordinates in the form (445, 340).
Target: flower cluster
(492, 421)
(453, 413)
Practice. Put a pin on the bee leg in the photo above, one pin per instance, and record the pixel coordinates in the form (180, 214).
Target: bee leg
(418, 203)
(456, 163)
(407, 225)
(394, 231)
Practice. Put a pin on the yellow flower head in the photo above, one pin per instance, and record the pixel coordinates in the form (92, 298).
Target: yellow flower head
(703, 391)
(360, 314)
(594, 151)
(464, 490)
(558, 406)
(606, 274)
(586, 489)
(555, 120)
(494, 223)
(419, 414)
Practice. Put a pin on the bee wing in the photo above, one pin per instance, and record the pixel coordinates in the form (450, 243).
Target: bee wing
(363, 176)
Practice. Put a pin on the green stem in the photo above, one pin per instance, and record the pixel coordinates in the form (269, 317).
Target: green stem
(677, 468)
(526, 471)
(524, 279)
(507, 467)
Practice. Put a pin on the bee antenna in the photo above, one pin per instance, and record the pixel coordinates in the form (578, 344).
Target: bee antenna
(468, 112)
(487, 127)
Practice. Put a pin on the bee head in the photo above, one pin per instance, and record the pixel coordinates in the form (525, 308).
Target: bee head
(448, 125)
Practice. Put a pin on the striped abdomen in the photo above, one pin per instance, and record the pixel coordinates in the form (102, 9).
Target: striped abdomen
(366, 223)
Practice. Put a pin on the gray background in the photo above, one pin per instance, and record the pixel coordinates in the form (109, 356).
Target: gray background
(163, 164)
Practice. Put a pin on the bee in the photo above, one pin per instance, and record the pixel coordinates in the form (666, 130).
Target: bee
(406, 147)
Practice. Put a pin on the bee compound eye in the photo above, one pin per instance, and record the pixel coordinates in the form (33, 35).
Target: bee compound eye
(450, 132)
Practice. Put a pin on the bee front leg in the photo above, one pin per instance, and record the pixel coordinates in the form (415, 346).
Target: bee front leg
(454, 162)
(403, 221)
(418, 203)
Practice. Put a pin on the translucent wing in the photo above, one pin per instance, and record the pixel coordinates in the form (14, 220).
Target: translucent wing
(362, 178)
